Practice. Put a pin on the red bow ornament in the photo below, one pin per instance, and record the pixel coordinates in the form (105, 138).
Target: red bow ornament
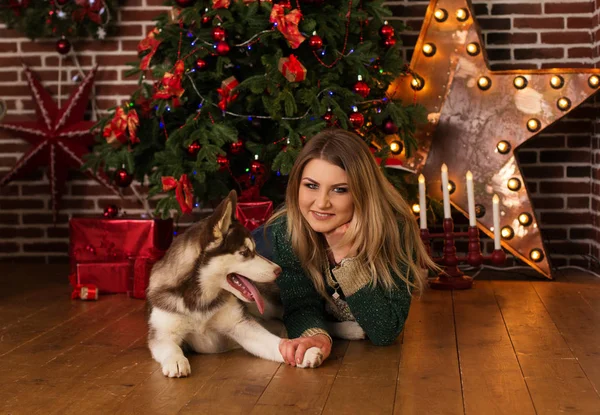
(115, 131)
(171, 85)
(149, 43)
(288, 24)
(220, 4)
(226, 92)
(91, 11)
(183, 191)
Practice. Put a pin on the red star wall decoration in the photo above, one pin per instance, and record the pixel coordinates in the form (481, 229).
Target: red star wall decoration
(60, 137)
(478, 118)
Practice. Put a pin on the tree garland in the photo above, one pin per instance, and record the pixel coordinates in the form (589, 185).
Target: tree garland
(59, 18)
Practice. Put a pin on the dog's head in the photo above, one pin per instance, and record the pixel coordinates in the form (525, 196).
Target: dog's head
(233, 253)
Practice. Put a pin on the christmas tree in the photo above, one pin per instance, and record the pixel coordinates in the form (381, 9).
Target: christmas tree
(239, 86)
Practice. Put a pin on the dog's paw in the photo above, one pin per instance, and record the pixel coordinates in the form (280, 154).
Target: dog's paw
(312, 358)
(177, 367)
(349, 330)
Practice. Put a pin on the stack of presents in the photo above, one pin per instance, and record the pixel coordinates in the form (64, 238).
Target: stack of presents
(116, 255)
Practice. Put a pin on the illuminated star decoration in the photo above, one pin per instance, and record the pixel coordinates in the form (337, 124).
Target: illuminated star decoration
(478, 117)
(59, 137)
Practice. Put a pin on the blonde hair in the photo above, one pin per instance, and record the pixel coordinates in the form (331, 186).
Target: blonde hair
(377, 205)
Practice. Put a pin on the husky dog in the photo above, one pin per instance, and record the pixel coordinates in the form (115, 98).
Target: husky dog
(198, 295)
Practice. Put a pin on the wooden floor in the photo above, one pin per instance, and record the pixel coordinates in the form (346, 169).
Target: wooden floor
(508, 346)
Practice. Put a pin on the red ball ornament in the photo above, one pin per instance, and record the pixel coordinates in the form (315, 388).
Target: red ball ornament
(386, 31)
(357, 120)
(111, 211)
(194, 148)
(362, 89)
(328, 117)
(123, 178)
(206, 20)
(237, 147)
(389, 127)
(201, 64)
(185, 3)
(218, 33)
(315, 42)
(389, 42)
(256, 167)
(223, 162)
(222, 48)
(63, 46)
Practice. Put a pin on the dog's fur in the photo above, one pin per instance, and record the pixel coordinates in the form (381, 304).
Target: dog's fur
(193, 304)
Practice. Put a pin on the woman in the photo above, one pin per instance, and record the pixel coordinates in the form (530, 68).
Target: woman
(348, 245)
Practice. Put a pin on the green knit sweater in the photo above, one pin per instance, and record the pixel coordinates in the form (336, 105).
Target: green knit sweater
(379, 312)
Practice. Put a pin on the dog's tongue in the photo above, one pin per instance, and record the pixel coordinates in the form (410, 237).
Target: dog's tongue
(260, 303)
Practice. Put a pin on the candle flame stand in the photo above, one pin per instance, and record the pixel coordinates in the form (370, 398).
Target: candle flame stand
(451, 277)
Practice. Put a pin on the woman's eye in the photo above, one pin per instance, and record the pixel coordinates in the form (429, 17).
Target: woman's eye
(311, 186)
(340, 189)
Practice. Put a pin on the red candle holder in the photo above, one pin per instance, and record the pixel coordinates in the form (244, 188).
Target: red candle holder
(451, 277)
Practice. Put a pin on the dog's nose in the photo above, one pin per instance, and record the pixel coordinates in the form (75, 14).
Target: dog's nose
(277, 272)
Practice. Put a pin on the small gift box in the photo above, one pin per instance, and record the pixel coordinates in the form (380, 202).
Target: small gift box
(254, 213)
(226, 92)
(292, 69)
(112, 254)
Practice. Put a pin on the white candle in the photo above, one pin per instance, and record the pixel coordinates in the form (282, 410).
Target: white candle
(445, 191)
(471, 199)
(422, 202)
(496, 204)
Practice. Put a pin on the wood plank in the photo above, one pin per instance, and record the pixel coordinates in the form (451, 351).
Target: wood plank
(294, 390)
(429, 378)
(492, 379)
(366, 380)
(572, 304)
(44, 368)
(555, 380)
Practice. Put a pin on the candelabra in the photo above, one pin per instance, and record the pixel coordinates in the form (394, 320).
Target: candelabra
(451, 277)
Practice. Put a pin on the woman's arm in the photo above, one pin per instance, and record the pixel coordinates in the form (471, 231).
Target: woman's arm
(379, 312)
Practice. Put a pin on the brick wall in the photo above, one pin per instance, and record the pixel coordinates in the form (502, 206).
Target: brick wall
(561, 166)
(595, 145)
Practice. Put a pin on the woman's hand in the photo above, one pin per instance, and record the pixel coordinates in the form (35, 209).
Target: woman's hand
(334, 238)
(292, 350)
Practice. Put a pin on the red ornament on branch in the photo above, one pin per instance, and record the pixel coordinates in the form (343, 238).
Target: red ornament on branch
(222, 48)
(123, 178)
(194, 148)
(149, 43)
(200, 64)
(357, 119)
(389, 127)
(59, 137)
(361, 88)
(237, 147)
(389, 42)
(218, 34)
(315, 42)
(111, 211)
(226, 92)
(386, 31)
(170, 87)
(292, 69)
(122, 123)
(63, 46)
(223, 162)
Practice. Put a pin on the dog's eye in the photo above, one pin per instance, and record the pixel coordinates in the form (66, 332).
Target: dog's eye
(245, 253)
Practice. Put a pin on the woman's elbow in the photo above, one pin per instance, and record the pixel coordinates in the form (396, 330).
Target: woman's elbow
(385, 338)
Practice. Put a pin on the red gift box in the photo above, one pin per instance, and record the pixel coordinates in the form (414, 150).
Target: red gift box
(292, 69)
(116, 255)
(254, 213)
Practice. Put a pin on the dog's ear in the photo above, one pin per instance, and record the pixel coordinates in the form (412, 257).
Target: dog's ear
(225, 214)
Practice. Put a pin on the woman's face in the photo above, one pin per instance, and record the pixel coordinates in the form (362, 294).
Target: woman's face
(324, 196)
